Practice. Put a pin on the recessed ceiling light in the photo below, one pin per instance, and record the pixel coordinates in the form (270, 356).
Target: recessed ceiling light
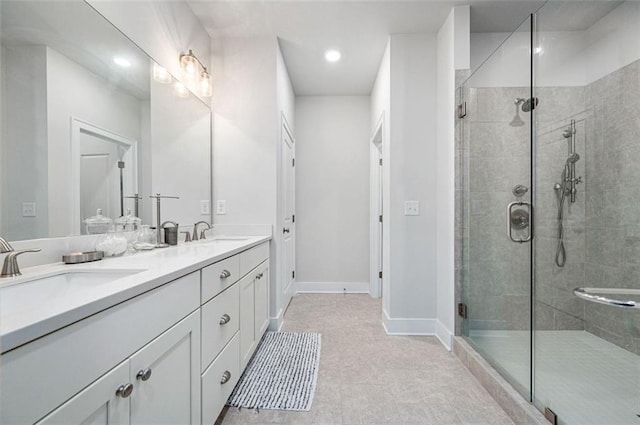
(122, 62)
(332, 55)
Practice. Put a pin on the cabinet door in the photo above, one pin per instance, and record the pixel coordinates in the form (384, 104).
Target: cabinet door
(166, 375)
(262, 300)
(96, 404)
(247, 321)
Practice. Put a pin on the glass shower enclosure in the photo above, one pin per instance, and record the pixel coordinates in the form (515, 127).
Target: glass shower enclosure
(550, 209)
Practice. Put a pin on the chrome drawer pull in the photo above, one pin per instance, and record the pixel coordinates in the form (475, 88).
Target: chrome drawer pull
(144, 374)
(124, 391)
(226, 376)
(225, 274)
(225, 319)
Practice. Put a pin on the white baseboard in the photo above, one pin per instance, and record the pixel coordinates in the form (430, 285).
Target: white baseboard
(275, 323)
(408, 326)
(444, 335)
(332, 287)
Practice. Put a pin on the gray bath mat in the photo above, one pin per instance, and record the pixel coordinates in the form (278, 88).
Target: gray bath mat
(282, 373)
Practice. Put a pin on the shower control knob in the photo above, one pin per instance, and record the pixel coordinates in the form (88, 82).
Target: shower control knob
(579, 180)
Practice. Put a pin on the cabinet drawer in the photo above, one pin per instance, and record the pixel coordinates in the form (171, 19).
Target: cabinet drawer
(40, 376)
(214, 280)
(216, 335)
(251, 258)
(214, 392)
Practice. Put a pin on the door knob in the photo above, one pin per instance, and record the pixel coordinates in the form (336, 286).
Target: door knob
(225, 274)
(225, 377)
(225, 319)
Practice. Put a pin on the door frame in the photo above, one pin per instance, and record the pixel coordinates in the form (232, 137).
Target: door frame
(376, 227)
(79, 127)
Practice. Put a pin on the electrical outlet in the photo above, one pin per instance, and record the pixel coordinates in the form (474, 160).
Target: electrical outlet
(205, 207)
(411, 207)
(28, 209)
(221, 207)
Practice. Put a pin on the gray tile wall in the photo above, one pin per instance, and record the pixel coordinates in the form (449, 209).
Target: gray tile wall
(612, 251)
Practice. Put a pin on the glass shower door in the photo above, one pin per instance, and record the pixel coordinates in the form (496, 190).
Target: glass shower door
(587, 197)
(495, 196)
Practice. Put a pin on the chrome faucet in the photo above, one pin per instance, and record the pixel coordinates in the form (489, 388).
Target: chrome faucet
(202, 234)
(10, 267)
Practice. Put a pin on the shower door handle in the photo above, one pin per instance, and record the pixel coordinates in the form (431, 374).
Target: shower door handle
(510, 226)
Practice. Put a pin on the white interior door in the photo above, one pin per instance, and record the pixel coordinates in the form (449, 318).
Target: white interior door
(376, 219)
(288, 212)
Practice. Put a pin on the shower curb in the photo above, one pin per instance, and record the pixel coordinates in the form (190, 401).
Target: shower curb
(519, 410)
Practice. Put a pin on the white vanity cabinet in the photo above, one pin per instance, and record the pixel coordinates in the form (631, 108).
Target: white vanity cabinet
(39, 377)
(171, 355)
(159, 384)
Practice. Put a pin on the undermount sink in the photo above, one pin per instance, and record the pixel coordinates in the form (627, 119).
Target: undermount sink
(30, 292)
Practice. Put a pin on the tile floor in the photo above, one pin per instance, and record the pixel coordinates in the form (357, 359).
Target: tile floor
(369, 377)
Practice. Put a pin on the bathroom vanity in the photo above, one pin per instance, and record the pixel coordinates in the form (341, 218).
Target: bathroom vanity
(157, 337)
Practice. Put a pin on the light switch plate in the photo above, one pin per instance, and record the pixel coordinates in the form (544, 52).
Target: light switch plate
(411, 207)
(28, 209)
(221, 207)
(205, 207)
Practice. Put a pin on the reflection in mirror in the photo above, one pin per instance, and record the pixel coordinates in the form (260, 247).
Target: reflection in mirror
(86, 127)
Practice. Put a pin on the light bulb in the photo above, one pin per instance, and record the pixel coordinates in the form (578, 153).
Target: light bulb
(332, 55)
(206, 88)
(122, 62)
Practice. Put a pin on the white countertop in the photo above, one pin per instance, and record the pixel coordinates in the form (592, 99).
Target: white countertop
(26, 315)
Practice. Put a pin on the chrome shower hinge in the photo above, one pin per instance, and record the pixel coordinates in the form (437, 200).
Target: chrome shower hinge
(462, 110)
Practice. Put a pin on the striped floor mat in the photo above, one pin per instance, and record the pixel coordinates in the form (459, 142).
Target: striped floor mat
(281, 375)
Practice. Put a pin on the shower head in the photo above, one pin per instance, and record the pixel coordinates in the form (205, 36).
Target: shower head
(530, 104)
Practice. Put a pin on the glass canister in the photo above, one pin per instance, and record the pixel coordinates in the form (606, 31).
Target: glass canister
(112, 243)
(146, 238)
(129, 225)
(98, 224)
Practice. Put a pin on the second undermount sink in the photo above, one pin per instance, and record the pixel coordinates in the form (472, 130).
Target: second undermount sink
(33, 291)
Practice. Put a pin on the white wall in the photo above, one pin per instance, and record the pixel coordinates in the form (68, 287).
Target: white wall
(332, 192)
(163, 29)
(380, 113)
(72, 92)
(180, 151)
(412, 161)
(453, 54)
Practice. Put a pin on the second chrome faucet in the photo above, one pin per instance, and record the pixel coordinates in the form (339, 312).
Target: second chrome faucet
(195, 237)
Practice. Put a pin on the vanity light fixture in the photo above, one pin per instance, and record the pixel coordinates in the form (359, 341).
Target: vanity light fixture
(191, 66)
(332, 55)
(161, 75)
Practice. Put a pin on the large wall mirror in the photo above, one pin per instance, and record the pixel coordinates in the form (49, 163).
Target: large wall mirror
(89, 121)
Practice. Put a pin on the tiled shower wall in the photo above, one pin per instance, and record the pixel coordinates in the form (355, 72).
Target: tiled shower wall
(602, 228)
(612, 258)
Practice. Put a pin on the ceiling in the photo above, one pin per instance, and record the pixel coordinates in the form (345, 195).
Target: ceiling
(360, 29)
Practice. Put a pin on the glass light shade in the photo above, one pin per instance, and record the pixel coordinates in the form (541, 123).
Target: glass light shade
(190, 66)
(206, 88)
(181, 90)
(161, 75)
